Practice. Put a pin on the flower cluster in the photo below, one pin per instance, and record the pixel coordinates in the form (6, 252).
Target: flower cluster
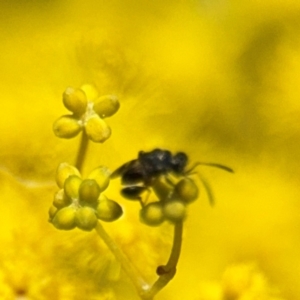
(80, 203)
(87, 115)
(174, 194)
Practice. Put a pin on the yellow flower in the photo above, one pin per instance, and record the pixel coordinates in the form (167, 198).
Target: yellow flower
(242, 282)
(87, 115)
(79, 203)
(35, 258)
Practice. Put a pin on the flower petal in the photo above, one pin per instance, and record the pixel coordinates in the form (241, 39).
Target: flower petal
(86, 218)
(66, 127)
(89, 191)
(186, 190)
(174, 210)
(60, 199)
(109, 210)
(152, 214)
(71, 186)
(75, 100)
(102, 176)
(65, 170)
(97, 129)
(106, 106)
(65, 218)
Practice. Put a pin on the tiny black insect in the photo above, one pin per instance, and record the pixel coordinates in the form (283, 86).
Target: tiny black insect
(138, 174)
(147, 167)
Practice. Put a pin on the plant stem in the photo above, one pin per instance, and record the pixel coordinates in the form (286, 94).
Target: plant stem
(140, 284)
(168, 271)
(176, 249)
(82, 151)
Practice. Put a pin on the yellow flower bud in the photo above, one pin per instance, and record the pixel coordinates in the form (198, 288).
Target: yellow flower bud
(109, 210)
(187, 190)
(66, 127)
(152, 214)
(106, 106)
(71, 186)
(102, 197)
(65, 170)
(89, 191)
(90, 91)
(174, 210)
(101, 175)
(60, 199)
(162, 189)
(52, 211)
(65, 218)
(75, 100)
(96, 129)
(86, 218)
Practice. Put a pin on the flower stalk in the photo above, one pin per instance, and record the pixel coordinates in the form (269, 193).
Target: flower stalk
(82, 151)
(140, 284)
(167, 272)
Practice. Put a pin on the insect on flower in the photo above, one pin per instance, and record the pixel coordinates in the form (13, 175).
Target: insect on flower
(138, 175)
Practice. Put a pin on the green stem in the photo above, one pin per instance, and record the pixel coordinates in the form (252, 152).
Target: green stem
(137, 280)
(168, 271)
(176, 249)
(82, 151)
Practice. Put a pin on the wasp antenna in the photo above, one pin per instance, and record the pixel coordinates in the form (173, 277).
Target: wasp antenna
(219, 166)
(208, 190)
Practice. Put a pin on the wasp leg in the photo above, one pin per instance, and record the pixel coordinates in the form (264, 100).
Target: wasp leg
(133, 192)
(147, 197)
(170, 180)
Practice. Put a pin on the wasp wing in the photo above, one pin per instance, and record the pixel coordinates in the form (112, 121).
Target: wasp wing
(121, 170)
(131, 173)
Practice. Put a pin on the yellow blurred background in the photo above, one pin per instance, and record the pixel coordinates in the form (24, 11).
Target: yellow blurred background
(219, 80)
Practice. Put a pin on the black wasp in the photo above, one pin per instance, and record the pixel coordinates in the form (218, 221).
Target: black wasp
(138, 174)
